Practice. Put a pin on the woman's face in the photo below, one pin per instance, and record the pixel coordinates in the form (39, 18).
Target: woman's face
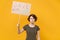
(32, 20)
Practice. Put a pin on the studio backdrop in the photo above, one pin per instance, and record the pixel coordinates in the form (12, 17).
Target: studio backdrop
(47, 12)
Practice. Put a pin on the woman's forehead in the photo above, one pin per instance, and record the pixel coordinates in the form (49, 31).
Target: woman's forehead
(31, 17)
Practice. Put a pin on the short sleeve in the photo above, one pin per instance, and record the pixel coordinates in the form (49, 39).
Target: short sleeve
(38, 28)
(24, 27)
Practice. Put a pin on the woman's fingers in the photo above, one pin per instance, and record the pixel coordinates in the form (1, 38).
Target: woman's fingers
(18, 25)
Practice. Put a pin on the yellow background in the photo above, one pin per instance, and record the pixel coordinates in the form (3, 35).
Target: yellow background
(47, 11)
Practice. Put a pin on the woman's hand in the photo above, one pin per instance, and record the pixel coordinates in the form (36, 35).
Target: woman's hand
(19, 31)
(18, 26)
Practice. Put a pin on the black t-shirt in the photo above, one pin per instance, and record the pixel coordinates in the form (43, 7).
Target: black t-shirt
(31, 32)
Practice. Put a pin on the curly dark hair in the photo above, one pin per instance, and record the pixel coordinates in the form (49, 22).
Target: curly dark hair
(33, 15)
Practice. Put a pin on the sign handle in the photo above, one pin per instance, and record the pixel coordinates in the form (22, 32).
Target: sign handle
(18, 19)
(18, 24)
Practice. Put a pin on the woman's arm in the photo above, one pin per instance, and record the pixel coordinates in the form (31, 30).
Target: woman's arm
(38, 35)
(19, 31)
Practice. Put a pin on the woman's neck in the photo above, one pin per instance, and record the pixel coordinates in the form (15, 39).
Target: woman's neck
(31, 24)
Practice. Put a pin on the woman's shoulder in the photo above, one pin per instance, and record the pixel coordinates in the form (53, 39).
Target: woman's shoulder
(38, 27)
(25, 27)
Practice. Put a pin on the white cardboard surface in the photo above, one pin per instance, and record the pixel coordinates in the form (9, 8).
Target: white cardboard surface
(21, 8)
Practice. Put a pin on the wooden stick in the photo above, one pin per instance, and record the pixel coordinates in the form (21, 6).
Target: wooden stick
(19, 19)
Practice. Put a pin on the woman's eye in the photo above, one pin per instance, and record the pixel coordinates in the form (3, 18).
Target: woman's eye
(31, 18)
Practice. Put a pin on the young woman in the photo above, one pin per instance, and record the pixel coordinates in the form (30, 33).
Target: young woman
(31, 29)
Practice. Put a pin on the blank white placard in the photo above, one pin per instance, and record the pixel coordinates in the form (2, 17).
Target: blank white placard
(21, 8)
